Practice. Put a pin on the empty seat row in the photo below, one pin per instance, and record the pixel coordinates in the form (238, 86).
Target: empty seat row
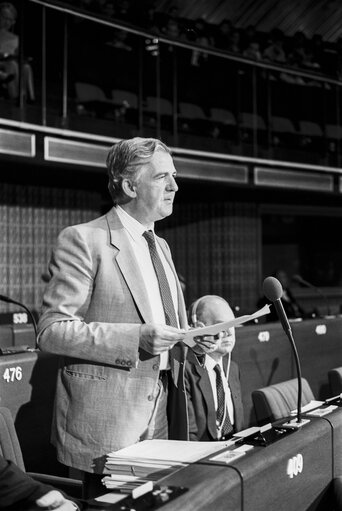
(194, 118)
(277, 401)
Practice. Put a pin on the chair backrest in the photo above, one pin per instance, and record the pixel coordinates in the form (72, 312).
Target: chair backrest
(120, 96)
(9, 443)
(335, 380)
(277, 401)
(164, 105)
(333, 131)
(310, 128)
(222, 115)
(89, 92)
(191, 111)
(249, 120)
(282, 125)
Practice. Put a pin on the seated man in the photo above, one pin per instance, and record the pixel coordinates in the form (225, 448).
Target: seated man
(214, 413)
(18, 491)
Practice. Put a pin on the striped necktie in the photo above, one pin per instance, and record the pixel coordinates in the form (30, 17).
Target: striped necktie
(227, 428)
(165, 292)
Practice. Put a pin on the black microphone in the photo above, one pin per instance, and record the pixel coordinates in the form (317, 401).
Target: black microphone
(299, 279)
(4, 298)
(273, 290)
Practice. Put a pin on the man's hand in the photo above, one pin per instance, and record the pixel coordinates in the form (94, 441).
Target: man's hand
(207, 343)
(158, 338)
(55, 500)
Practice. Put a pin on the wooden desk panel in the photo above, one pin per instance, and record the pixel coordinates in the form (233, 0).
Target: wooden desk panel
(319, 345)
(27, 388)
(213, 488)
(265, 357)
(335, 420)
(266, 483)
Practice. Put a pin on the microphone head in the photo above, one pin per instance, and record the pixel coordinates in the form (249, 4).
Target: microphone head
(272, 289)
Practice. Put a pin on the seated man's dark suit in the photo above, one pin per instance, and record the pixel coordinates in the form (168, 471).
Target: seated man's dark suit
(200, 400)
(18, 491)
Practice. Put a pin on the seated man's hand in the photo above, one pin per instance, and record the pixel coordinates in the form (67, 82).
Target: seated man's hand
(158, 338)
(207, 343)
(55, 500)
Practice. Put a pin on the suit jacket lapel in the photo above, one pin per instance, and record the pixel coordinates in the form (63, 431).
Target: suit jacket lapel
(128, 265)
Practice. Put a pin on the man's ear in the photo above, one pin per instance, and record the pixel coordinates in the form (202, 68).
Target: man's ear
(129, 188)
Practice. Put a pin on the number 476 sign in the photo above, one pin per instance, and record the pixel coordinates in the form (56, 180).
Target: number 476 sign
(12, 374)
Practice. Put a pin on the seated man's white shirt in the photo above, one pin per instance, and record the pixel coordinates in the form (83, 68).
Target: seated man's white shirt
(209, 364)
(141, 251)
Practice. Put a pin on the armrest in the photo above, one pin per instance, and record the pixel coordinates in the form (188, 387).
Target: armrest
(72, 487)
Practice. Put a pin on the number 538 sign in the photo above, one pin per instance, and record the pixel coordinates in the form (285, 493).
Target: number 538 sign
(12, 374)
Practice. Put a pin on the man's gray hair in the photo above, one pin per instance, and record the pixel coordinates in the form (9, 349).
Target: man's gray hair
(125, 159)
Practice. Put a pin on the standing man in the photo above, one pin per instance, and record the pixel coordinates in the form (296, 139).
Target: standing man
(114, 310)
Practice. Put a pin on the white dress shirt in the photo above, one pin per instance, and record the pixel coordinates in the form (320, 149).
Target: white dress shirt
(209, 364)
(141, 251)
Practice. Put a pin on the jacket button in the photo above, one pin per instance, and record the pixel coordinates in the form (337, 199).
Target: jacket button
(129, 363)
(118, 361)
(150, 397)
(155, 367)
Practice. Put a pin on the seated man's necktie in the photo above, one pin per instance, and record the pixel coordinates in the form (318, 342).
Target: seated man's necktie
(227, 428)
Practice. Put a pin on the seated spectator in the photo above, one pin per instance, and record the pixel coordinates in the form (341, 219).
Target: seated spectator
(317, 50)
(201, 377)
(248, 35)
(171, 29)
(146, 16)
(108, 9)
(300, 56)
(274, 51)
(223, 34)
(201, 36)
(19, 491)
(235, 41)
(123, 10)
(252, 51)
(120, 40)
(9, 46)
(339, 58)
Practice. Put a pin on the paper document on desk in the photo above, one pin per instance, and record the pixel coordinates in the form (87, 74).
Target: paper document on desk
(164, 453)
(310, 406)
(219, 327)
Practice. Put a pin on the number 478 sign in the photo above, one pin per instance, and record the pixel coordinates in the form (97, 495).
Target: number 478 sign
(12, 374)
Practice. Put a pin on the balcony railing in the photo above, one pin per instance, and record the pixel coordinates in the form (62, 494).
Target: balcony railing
(98, 77)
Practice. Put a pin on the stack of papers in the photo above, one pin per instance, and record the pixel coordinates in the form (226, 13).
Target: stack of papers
(150, 460)
(161, 452)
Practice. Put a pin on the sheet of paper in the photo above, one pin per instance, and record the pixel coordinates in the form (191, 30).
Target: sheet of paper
(310, 406)
(320, 412)
(173, 451)
(220, 327)
(110, 498)
(228, 456)
(247, 432)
